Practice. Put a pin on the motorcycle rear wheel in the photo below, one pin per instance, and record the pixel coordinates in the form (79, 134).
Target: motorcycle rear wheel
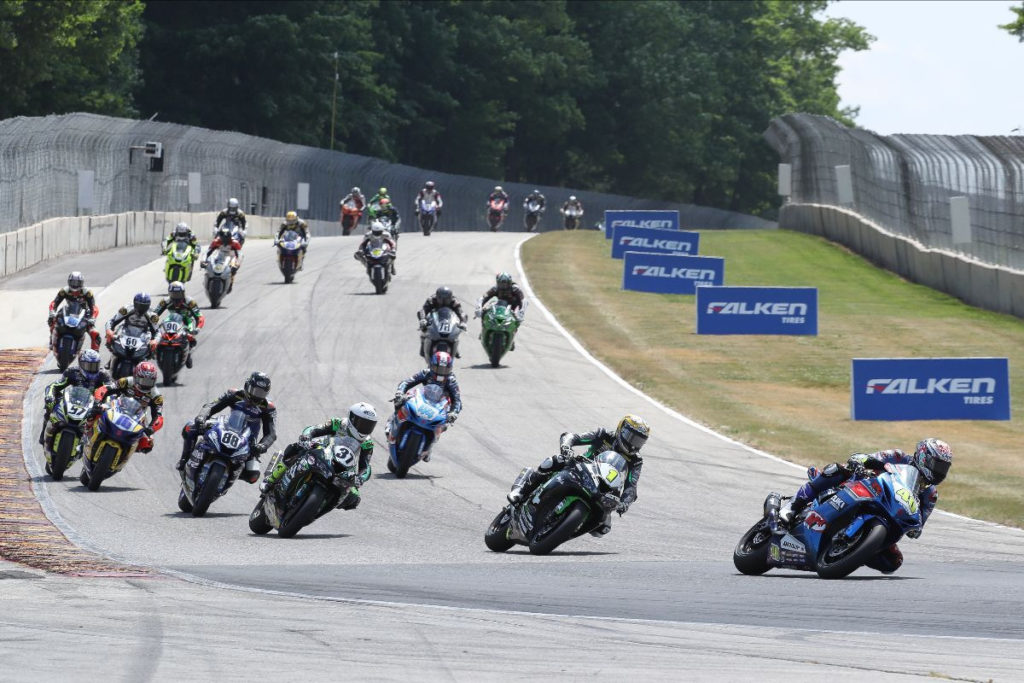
(64, 357)
(751, 553)
(101, 467)
(836, 563)
(562, 532)
(208, 493)
(496, 537)
(305, 514)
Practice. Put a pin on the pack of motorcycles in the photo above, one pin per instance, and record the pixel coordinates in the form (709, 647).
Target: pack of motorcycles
(841, 531)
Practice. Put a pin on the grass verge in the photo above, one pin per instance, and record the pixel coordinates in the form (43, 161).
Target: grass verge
(791, 395)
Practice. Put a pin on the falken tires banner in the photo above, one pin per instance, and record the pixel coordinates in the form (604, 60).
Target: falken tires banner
(930, 389)
(683, 242)
(757, 310)
(669, 273)
(658, 220)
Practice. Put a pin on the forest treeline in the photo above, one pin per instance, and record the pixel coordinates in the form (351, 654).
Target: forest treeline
(660, 99)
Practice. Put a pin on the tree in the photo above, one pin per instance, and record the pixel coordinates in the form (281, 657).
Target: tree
(69, 55)
(1016, 27)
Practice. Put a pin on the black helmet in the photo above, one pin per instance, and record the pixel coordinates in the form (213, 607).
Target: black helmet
(932, 458)
(257, 387)
(141, 303)
(444, 296)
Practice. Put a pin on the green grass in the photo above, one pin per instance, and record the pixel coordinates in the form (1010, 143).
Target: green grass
(790, 395)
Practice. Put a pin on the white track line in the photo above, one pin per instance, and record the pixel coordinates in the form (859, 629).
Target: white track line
(664, 408)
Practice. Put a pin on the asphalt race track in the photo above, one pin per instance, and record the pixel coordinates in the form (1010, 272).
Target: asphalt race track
(662, 585)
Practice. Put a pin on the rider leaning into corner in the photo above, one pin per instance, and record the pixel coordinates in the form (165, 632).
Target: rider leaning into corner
(932, 458)
(88, 374)
(252, 400)
(626, 439)
(136, 316)
(142, 387)
(360, 423)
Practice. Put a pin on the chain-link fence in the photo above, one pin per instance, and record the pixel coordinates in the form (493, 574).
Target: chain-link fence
(904, 182)
(40, 161)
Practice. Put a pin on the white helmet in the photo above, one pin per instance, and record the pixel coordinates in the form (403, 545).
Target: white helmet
(377, 228)
(572, 198)
(497, 188)
(362, 418)
(232, 204)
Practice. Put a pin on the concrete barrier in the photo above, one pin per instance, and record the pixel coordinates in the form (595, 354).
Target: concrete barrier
(994, 288)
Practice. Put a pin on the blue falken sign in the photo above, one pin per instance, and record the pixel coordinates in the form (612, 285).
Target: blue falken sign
(626, 239)
(757, 310)
(670, 273)
(930, 389)
(661, 220)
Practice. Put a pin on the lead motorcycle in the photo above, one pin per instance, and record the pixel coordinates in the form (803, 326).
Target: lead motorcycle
(69, 417)
(428, 215)
(442, 333)
(69, 329)
(572, 502)
(572, 217)
(377, 256)
(496, 210)
(314, 485)
(289, 254)
(219, 458)
(842, 530)
(417, 423)
(130, 346)
(117, 433)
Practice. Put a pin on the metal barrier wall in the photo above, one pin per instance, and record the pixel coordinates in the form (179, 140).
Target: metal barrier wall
(40, 160)
(904, 182)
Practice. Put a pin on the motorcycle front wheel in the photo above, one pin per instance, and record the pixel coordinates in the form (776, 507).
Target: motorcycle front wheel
(60, 459)
(101, 467)
(208, 493)
(304, 514)
(839, 557)
(258, 523)
(751, 553)
(496, 537)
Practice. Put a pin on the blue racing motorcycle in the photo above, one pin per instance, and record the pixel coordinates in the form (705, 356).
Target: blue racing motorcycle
(218, 459)
(842, 530)
(417, 423)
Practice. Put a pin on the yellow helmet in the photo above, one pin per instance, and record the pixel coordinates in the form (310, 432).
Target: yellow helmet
(291, 217)
(631, 434)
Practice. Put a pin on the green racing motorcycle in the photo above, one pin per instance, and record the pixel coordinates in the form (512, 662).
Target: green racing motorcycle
(499, 329)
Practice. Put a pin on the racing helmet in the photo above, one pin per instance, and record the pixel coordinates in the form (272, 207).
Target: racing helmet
(257, 387)
(362, 418)
(376, 228)
(232, 205)
(355, 190)
(141, 303)
(497, 188)
(89, 364)
(572, 198)
(224, 235)
(145, 375)
(382, 191)
(181, 230)
(444, 296)
(932, 458)
(429, 185)
(504, 282)
(176, 292)
(441, 364)
(291, 218)
(631, 434)
(76, 281)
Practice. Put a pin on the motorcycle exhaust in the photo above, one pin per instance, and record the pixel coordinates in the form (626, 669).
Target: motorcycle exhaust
(251, 471)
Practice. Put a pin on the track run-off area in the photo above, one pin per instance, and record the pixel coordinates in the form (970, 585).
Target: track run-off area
(404, 584)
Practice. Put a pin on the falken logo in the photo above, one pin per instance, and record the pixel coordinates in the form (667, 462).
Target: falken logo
(646, 223)
(757, 308)
(932, 385)
(648, 243)
(683, 273)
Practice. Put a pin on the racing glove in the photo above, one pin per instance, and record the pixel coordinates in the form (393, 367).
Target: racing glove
(452, 417)
(258, 450)
(914, 533)
(423, 324)
(148, 431)
(863, 460)
(622, 508)
(398, 399)
(566, 453)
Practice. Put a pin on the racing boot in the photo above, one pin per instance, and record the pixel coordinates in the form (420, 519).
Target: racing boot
(793, 507)
(95, 336)
(528, 480)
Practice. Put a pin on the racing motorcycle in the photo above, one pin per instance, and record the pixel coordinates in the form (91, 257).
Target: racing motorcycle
(313, 486)
(181, 256)
(129, 348)
(843, 529)
(237, 233)
(532, 217)
(218, 459)
(573, 216)
(350, 216)
(377, 257)
(500, 325)
(218, 275)
(69, 418)
(171, 347)
(417, 423)
(116, 435)
(442, 333)
(70, 328)
(289, 254)
(428, 215)
(570, 503)
(496, 213)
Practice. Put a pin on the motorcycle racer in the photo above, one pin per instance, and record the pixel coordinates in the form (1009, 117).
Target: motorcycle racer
(439, 372)
(355, 195)
(535, 196)
(142, 387)
(76, 291)
(253, 400)
(497, 193)
(429, 192)
(181, 233)
(88, 374)
(188, 309)
(293, 222)
(360, 423)
(224, 238)
(377, 231)
(137, 316)
(442, 298)
(572, 203)
(508, 291)
(232, 212)
(932, 458)
(382, 193)
(628, 437)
